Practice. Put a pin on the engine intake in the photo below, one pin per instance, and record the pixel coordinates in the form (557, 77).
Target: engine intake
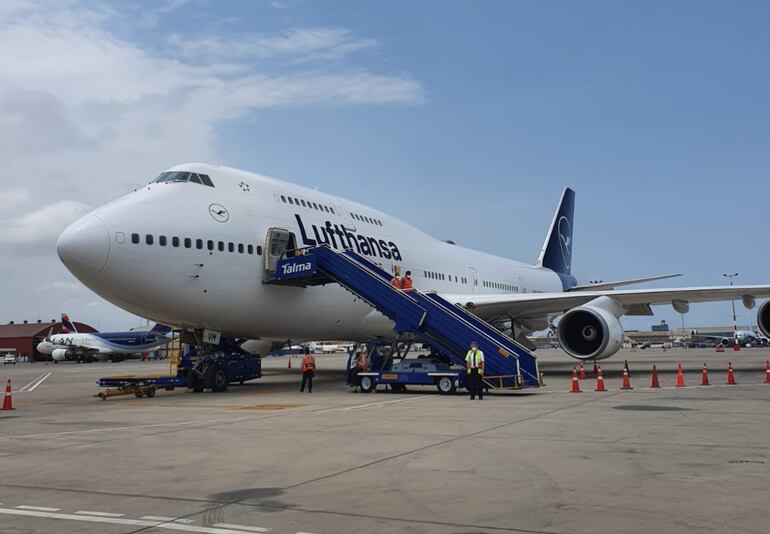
(763, 318)
(590, 332)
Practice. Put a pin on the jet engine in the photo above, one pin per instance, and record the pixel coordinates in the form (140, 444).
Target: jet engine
(592, 331)
(763, 318)
(61, 355)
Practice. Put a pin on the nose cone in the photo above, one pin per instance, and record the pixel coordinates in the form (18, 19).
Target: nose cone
(84, 247)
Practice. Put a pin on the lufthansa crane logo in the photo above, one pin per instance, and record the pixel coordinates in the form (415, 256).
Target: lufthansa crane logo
(219, 213)
(565, 240)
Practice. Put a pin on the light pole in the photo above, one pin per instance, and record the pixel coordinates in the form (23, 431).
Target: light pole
(732, 301)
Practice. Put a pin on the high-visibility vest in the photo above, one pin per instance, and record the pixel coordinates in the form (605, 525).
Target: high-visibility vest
(395, 282)
(475, 359)
(308, 363)
(406, 283)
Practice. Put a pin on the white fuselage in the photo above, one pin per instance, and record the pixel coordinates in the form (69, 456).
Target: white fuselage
(224, 291)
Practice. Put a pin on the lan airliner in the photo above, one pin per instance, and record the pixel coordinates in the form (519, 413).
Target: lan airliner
(193, 249)
(88, 347)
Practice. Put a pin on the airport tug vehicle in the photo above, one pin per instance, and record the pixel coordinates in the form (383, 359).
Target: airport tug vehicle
(448, 329)
(215, 372)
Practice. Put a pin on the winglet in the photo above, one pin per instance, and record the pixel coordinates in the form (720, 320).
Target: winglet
(556, 253)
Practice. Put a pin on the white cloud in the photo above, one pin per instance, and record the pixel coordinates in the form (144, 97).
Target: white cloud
(39, 227)
(298, 44)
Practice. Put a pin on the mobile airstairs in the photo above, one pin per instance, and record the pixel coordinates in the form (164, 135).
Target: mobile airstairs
(447, 328)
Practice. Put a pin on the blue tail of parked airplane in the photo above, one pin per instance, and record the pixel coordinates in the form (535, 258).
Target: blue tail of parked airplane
(556, 254)
(68, 327)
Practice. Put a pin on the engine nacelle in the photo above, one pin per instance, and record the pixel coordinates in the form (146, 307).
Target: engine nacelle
(591, 331)
(60, 355)
(763, 318)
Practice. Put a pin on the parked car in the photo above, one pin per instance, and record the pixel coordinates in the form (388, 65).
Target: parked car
(10, 358)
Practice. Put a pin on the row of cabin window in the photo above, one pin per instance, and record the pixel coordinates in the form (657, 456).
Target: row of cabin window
(306, 204)
(364, 218)
(221, 246)
(441, 276)
(503, 286)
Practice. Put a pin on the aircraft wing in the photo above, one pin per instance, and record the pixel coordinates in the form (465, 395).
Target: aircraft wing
(634, 301)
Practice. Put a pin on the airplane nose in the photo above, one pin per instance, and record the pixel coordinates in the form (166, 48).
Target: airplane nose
(84, 246)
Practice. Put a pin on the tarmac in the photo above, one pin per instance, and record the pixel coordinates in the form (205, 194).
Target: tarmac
(263, 457)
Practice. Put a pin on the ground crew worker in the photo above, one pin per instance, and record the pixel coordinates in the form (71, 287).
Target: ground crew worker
(474, 365)
(359, 366)
(406, 281)
(396, 281)
(308, 371)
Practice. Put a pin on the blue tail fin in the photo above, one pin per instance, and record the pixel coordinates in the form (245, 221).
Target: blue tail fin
(161, 329)
(557, 249)
(68, 327)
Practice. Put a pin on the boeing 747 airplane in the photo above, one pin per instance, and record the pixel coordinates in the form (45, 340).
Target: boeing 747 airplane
(194, 247)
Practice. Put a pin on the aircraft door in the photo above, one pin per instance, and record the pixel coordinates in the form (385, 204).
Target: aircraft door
(278, 241)
(473, 279)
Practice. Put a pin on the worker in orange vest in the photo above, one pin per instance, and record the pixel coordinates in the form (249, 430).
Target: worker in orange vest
(406, 281)
(308, 371)
(396, 281)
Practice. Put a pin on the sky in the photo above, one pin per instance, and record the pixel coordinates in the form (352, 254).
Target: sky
(465, 119)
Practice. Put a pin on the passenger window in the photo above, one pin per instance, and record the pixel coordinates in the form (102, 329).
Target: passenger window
(291, 201)
(187, 242)
(199, 244)
(221, 246)
(120, 237)
(194, 178)
(174, 241)
(259, 250)
(162, 241)
(283, 199)
(296, 201)
(231, 246)
(135, 239)
(303, 203)
(331, 209)
(210, 244)
(326, 209)
(149, 239)
(250, 249)
(240, 248)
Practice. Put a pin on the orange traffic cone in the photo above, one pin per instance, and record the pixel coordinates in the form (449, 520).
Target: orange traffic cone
(596, 369)
(679, 376)
(626, 381)
(704, 381)
(625, 367)
(289, 363)
(730, 374)
(599, 380)
(575, 383)
(736, 347)
(7, 401)
(720, 348)
(654, 383)
(767, 371)
(582, 372)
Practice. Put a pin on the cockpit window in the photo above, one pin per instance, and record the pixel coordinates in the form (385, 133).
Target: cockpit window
(178, 176)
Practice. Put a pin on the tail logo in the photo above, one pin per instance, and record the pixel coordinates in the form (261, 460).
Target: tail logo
(565, 240)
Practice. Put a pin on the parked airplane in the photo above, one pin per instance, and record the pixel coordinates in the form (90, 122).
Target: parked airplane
(744, 338)
(194, 247)
(81, 347)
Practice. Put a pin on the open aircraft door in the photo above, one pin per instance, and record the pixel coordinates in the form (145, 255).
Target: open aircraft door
(278, 241)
